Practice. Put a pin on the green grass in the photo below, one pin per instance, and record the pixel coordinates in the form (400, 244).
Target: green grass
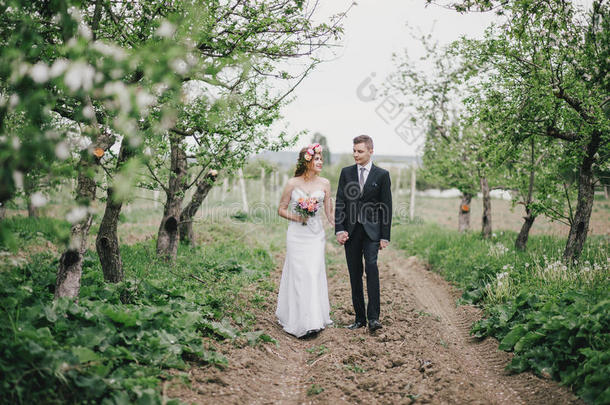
(314, 389)
(554, 317)
(15, 232)
(118, 342)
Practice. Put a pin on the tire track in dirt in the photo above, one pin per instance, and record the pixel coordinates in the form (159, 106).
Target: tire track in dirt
(435, 294)
(430, 295)
(423, 354)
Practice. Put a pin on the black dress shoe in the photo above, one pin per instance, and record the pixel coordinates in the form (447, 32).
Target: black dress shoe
(374, 325)
(356, 325)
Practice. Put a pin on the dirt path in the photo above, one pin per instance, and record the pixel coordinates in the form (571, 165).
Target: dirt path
(423, 354)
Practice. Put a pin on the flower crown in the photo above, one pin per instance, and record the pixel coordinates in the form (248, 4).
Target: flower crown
(312, 150)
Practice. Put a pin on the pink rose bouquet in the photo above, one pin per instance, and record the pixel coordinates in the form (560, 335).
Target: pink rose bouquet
(307, 207)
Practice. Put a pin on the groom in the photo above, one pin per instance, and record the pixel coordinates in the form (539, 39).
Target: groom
(363, 216)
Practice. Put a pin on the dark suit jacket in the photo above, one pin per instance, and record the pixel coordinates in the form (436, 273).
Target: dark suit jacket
(372, 208)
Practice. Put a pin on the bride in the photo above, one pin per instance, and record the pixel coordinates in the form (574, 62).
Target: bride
(302, 304)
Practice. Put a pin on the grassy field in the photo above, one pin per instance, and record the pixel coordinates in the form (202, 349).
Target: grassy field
(534, 304)
(444, 212)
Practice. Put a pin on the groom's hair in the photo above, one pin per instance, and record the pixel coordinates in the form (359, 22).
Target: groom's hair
(365, 139)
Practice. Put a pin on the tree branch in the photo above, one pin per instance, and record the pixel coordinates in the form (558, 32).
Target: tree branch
(575, 104)
(154, 176)
(553, 132)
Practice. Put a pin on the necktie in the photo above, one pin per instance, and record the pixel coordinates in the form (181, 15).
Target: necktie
(361, 180)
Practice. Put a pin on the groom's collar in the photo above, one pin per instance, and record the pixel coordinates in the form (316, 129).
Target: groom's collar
(366, 166)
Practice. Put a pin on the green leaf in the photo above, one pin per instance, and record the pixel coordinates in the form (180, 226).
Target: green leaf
(528, 341)
(121, 316)
(223, 328)
(512, 337)
(85, 354)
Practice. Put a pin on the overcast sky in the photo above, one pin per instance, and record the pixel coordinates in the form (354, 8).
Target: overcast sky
(327, 100)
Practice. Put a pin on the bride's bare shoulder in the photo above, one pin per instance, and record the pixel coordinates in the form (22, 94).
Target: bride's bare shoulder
(293, 181)
(324, 181)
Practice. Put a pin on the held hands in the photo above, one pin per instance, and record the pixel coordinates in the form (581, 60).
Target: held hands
(342, 237)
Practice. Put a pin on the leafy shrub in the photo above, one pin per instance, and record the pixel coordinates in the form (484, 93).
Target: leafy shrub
(567, 338)
(115, 343)
(554, 317)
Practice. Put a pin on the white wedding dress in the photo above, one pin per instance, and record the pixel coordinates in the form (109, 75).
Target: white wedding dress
(302, 304)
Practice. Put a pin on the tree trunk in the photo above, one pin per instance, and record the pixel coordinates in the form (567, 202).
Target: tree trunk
(71, 261)
(107, 241)
(32, 210)
(167, 239)
(524, 233)
(186, 217)
(244, 194)
(413, 191)
(486, 220)
(29, 187)
(263, 185)
(586, 191)
(606, 192)
(464, 213)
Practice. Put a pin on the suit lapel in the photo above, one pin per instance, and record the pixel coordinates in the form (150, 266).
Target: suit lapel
(355, 172)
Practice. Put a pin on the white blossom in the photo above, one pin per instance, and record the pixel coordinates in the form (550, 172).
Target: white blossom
(52, 134)
(116, 73)
(80, 74)
(39, 72)
(76, 13)
(144, 100)
(38, 199)
(13, 100)
(62, 151)
(18, 179)
(135, 141)
(179, 66)
(59, 66)
(20, 71)
(77, 214)
(114, 51)
(85, 31)
(118, 89)
(166, 29)
(88, 112)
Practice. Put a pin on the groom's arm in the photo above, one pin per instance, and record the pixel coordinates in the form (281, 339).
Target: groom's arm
(340, 204)
(386, 207)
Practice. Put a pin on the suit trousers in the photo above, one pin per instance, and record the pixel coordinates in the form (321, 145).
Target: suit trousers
(359, 245)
